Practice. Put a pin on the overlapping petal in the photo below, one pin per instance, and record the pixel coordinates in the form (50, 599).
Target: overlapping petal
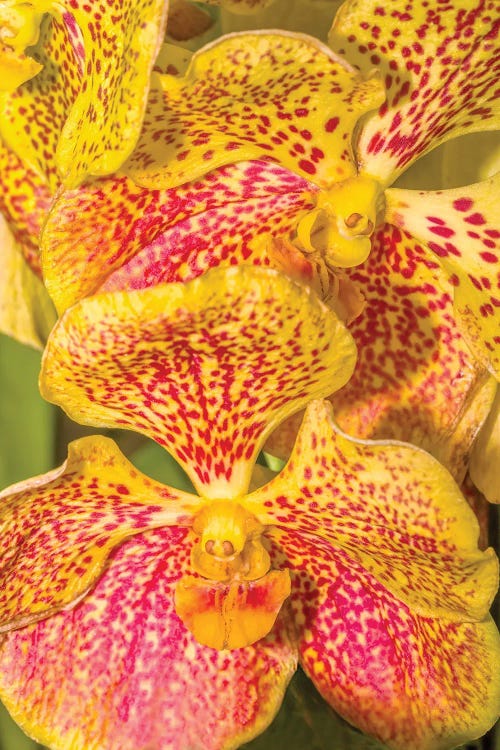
(416, 379)
(57, 530)
(147, 237)
(485, 457)
(207, 369)
(392, 508)
(26, 312)
(440, 66)
(87, 103)
(462, 228)
(281, 97)
(119, 671)
(414, 682)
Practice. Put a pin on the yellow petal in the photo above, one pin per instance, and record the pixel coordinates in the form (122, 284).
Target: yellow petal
(281, 97)
(436, 63)
(485, 457)
(26, 312)
(207, 368)
(391, 508)
(462, 229)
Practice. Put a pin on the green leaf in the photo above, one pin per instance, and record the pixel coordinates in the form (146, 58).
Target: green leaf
(154, 461)
(26, 420)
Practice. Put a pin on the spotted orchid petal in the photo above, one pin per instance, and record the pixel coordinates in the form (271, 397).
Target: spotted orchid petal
(26, 312)
(439, 65)
(96, 63)
(120, 671)
(390, 507)
(207, 369)
(462, 229)
(147, 237)
(415, 378)
(281, 97)
(485, 455)
(58, 529)
(25, 199)
(413, 682)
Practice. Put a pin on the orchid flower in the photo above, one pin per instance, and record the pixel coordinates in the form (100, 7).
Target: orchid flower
(68, 110)
(125, 603)
(273, 150)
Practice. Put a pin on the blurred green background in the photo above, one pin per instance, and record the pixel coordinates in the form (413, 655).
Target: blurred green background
(33, 439)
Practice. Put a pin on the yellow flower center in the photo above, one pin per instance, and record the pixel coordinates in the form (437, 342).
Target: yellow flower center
(19, 30)
(237, 599)
(341, 226)
(230, 544)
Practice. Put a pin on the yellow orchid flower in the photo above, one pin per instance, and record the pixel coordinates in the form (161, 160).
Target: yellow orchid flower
(124, 602)
(263, 153)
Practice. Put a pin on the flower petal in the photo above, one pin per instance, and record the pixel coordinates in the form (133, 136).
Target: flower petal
(146, 237)
(26, 312)
(57, 530)
(485, 457)
(96, 68)
(119, 671)
(440, 69)
(206, 369)
(393, 508)
(414, 682)
(416, 379)
(462, 228)
(254, 96)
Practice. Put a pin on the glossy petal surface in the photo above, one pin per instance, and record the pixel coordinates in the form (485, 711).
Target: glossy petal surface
(392, 508)
(282, 97)
(97, 62)
(58, 529)
(485, 457)
(120, 672)
(206, 369)
(440, 66)
(146, 237)
(416, 379)
(462, 228)
(26, 312)
(414, 682)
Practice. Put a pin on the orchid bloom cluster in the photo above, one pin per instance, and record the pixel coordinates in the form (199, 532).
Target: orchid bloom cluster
(212, 253)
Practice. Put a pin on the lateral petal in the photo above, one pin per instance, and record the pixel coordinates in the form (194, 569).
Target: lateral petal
(393, 508)
(462, 229)
(147, 237)
(262, 95)
(439, 64)
(57, 530)
(413, 682)
(207, 369)
(97, 63)
(415, 379)
(485, 456)
(120, 671)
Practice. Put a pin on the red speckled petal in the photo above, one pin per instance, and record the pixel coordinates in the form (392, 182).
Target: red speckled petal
(416, 379)
(462, 228)
(206, 369)
(121, 672)
(58, 529)
(146, 237)
(283, 97)
(392, 507)
(440, 66)
(97, 62)
(415, 683)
